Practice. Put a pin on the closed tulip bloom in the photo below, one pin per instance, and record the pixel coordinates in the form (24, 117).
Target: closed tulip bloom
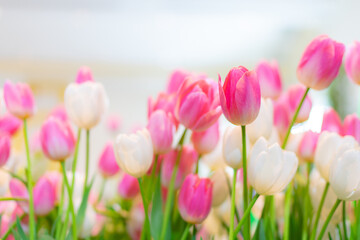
(5, 146)
(128, 187)
(84, 75)
(165, 102)
(307, 146)
(9, 124)
(294, 96)
(19, 190)
(263, 124)
(19, 99)
(220, 190)
(270, 168)
(57, 139)
(205, 142)
(197, 106)
(331, 122)
(107, 162)
(240, 96)
(162, 130)
(269, 78)
(44, 196)
(176, 79)
(320, 63)
(134, 152)
(352, 126)
(352, 62)
(195, 198)
(281, 117)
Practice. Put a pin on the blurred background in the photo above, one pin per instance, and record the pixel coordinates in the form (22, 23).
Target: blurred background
(132, 46)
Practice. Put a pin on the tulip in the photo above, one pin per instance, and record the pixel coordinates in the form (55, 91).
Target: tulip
(331, 122)
(44, 197)
(307, 146)
(134, 152)
(128, 187)
(205, 142)
(240, 96)
(352, 62)
(84, 75)
(281, 117)
(352, 126)
(320, 63)
(186, 165)
(270, 168)
(9, 124)
(57, 139)
(5, 146)
(55, 179)
(197, 106)
(60, 112)
(176, 79)
(162, 130)
(263, 124)
(195, 198)
(19, 99)
(269, 79)
(107, 162)
(220, 189)
(294, 96)
(164, 101)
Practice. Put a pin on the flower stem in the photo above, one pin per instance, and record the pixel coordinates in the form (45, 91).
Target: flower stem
(323, 229)
(197, 164)
(74, 163)
(10, 228)
(147, 223)
(232, 211)
(246, 213)
(186, 232)
(12, 199)
(58, 224)
(32, 230)
(344, 220)
(87, 158)
(102, 188)
(230, 192)
(313, 233)
(245, 187)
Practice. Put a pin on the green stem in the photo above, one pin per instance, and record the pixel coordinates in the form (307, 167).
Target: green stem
(147, 223)
(87, 158)
(245, 186)
(13, 175)
(237, 215)
(344, 220)
(9, 230)
(357, 224)
(12, 199)
(339, 229)
(101, 193)
(153, 177)
(232, 211)
(186, 232)
(58, 224)
(246, 213)
(32, 230)
(313, 233)
(197, 164)
(323, 229)
(194, 232)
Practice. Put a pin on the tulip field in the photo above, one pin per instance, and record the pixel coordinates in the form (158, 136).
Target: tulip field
(217, 159)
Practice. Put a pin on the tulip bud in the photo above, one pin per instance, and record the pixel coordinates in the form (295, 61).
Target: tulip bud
(107, 161)
(161, 129)
(197, 106)
(220, 189)
(240, 96)
(195, 198)
(352, 62)
(320, 63)
(44, 197)
(9, 124)
(186, 166)
(55, 179)
(307, 146)
(128, 187)
(5, 147)
(270, 168)
(57, 139)
(18, 190)
(84, 75)
(263, 124)
(352, 126)
(331, 122)
(164, 101)
(176, 79)
(19, 99)
(294, 96)
(134, 152)
(269, 79)
(205, 142)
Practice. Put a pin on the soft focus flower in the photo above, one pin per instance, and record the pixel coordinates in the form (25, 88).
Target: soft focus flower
(177, 77)
(270, 168)
(186, 165)
(4, 184)
(107, 162)
(269, 78)
(205, 142)
(85, 102)
(134, 152)
(307, 146)
(220, 189)
(57, 139)
(197, 106)
(195, 198)
(19, 99)
(128, 187)
(84, 75)
(331, 122)
(60, 112)
(240, 96)
(263, 124)
(163, 101)
(5, 147)
(55, 179)
(352, 126)
(113, 123)
(320, 63)
(294, 96)
(352, 62)
(9, 124)
(162, 130)
(44, 196)
(281, 117)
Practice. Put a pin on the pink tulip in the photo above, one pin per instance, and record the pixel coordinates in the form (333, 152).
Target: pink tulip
(240, 96)
(44, 197)
(55, 179)
(5, 224)
(107, 161)
(128, 187)
(161, 129)
(84, 75)
(307, 146)
(164, 101)
(320, 63)
(9, 124)
(195, 199)
(352, 62)
(281, 116)
(57, 139)
(60, 112)
(294, 96)
(176, 79)
(331, 122)
(269, 78)
(19, 190)
(197, 106)
(205, 142)
(5, 147)
(186, 165)
(113, 123)
(19, 99)
(352, 126)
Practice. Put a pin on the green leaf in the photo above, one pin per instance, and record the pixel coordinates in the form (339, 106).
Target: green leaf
(20, 230)
(82, 210)
(156, 212)
(16, 235)
(46, 237)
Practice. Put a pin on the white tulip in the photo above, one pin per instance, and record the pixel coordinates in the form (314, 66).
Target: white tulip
(134, 152)
(270, 168)
(85, 103)
(263, 124)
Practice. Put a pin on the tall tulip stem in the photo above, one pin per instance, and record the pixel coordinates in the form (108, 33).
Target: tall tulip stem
(232, 211)
(147, 223)
(246, 213)
(313, 233)
(245, 188)
(331, 213)
(344, 219)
